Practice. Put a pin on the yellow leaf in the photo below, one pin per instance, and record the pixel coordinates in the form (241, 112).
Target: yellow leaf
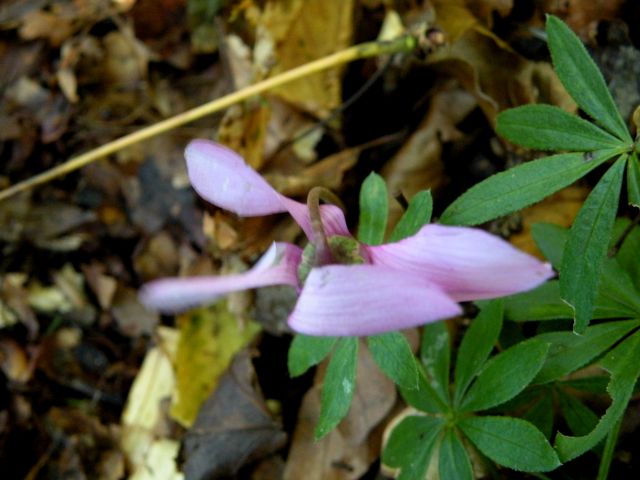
(305, 31)
(209, 338)
(144, 415)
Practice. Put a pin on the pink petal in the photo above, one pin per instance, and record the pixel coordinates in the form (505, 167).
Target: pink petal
(278, 266)
(367, 299)
(467, 263)
(332, 218)
(223, 178)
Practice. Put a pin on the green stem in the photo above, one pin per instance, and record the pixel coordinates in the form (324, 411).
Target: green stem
(609, 449)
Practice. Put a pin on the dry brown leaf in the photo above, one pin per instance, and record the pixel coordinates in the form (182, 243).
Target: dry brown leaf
(327, 173)
(15, 361)
(14, 303)
(103, 286)
(485, 64)
(40, 24)
(144, 418)
(285, 124)
(348, 451)
(417, 165)
(234, 426)
(304, 31)
(583, 16)
(132, 318)
(484, 9)
(126, 58)
(244, 130)
(498, 78)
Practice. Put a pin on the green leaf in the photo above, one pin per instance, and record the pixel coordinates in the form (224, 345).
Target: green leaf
(374, 209)
(511, 442)
(624, 366)
(580, 418)
(454, 463)
(582, 78)
(411, 445)
(546, 127)
(435, 354)
(505, 375)
(306, 351)
(541, 415)
(520, 187)
(424, 398)
(542, 303)
(417, 215)
(551, 240)
(338, 386)
(617, 295)
(628, 252)
(594, 385)
(633, 180)
(392, 353)
(569, 352)
(476, 346)
(587, 246)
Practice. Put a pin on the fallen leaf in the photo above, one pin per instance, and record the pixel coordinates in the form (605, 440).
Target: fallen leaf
(132, 317)
(304, 31)
(327, 173)
(150, 455)
(244, 130)
(485, 64)
(41, 24)
(209, 338)
(583, 16)
(15, 361)
(485, 9)
(233, 428)
(103, 286)
(418, 164)
(347, 452)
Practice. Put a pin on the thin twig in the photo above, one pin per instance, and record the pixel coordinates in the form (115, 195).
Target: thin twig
(356, 52)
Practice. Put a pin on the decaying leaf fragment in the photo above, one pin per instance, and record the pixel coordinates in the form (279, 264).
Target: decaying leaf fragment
(209, 338)
(348, 451)
(234, 426)
(304, 31)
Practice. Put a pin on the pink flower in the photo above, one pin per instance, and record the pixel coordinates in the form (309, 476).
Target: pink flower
(407, 283)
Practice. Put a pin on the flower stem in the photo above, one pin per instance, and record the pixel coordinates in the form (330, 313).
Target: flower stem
(323, 251)
(356, 52)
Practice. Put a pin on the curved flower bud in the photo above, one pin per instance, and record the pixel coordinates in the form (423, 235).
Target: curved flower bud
(278, 266)
(223, 178)
(367, 299)
(467, 263)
